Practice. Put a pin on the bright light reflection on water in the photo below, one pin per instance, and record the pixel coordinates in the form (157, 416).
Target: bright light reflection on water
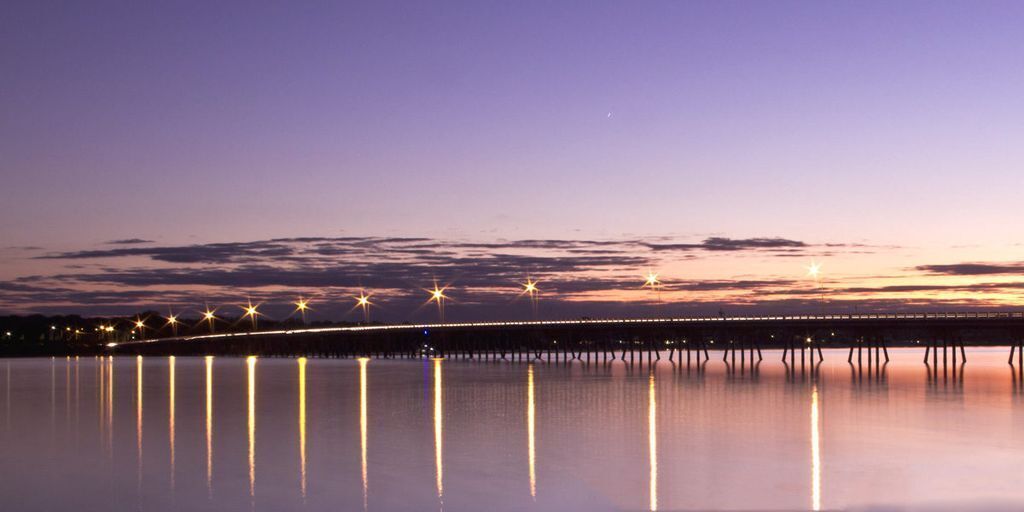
(424, 435)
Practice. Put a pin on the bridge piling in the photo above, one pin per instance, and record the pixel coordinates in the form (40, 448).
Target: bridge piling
(945, 343)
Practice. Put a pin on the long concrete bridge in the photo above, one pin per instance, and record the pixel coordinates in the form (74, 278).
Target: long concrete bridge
(799, 336)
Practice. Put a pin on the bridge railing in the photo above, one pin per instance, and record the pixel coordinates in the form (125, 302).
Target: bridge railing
(599, 321)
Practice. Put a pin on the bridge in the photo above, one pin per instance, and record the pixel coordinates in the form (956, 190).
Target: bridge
(799, 336)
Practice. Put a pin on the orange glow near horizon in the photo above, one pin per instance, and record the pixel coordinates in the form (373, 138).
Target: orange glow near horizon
(859, 276)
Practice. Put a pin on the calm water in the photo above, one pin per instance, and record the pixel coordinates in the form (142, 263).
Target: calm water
(280, 434)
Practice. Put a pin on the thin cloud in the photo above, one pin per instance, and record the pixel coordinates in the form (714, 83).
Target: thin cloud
(730, 244)
(129, 241)
(973, 269)
(580, 276)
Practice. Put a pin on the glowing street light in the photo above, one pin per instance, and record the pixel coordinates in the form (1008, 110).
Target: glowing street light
(251, 312)
(651, 281)
(140, 325)
(363, 301)
(301, 306)
(530, 289)
(172, 320)
(437, 295)
(814, 272)
(210, 317)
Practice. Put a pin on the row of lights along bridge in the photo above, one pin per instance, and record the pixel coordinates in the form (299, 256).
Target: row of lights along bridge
(436, 295)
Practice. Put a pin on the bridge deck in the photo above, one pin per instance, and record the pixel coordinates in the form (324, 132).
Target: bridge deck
(768, 321)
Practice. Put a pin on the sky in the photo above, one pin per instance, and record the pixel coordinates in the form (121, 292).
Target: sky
(170, 155)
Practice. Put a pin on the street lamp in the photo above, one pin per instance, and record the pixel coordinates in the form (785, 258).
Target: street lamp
(437, 295)
(251, 312)
(140, 326)
(651, 281)
(172, 320)
(210, 317)
(530, 289)
(814, 272)
(301, 306)
(363, 301)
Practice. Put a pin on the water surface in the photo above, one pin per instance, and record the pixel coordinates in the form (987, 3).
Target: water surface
(231, 434)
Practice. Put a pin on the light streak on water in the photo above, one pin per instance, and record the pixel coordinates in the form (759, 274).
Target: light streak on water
(363, 429)
(302, 426)
(531, 419)
(251, 365)
(138, 420)
(170, 401)
(815, 452)
(209, 425)
(652, 439)
(438, 428)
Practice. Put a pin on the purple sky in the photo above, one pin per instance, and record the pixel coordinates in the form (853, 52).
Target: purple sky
(891, 125)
